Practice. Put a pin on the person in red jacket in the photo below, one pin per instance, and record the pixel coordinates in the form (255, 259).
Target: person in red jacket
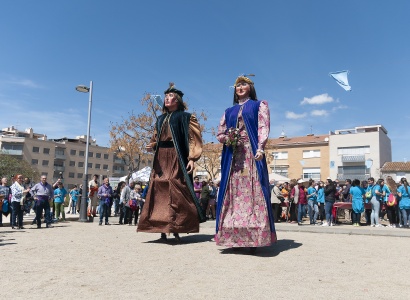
(298, 192)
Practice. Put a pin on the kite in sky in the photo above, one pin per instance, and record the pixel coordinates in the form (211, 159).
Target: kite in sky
(341, 79)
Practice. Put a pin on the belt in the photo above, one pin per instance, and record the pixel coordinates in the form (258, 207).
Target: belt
(166, 144)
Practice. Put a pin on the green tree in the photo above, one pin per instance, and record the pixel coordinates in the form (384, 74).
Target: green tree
(11, 166)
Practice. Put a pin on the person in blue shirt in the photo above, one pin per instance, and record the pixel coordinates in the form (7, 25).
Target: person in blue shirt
(380, 191)
(357, 194)
(321, 200)
(371, 197)
(59, 195)
(74, 193)
(312, 202)
(404, 205)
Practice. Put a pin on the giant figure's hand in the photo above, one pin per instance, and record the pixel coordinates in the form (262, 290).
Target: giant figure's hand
(258, 156)
(190, 167)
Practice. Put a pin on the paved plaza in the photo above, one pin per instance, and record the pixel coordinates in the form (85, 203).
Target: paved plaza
(77, 260)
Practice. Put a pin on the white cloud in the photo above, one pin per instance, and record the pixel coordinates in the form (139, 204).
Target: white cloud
(292, 115)
(319, 113)
(336, 108)
(28, 83)
(318, 100)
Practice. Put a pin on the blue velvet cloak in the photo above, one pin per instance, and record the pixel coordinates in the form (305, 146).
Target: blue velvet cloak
(250, 117)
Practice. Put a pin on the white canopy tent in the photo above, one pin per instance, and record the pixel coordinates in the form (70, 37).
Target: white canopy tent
(141, 175)
(277, 177)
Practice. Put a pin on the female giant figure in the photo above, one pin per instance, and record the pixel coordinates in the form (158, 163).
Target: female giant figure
(244, 214)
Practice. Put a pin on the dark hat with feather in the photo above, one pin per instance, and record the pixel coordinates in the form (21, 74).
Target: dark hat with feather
(172, 89)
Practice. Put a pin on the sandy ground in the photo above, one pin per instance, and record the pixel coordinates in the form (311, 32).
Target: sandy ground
(77, 260)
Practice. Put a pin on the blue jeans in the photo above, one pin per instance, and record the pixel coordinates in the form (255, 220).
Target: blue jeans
(405, 213)
(313, 211)
(301, 212)
(328, 211)
(103, 209)
(16, 213)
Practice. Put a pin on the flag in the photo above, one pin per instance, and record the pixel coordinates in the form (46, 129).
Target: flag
(341, 79)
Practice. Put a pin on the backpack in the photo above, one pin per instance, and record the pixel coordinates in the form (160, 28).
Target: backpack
(5, 206)
(391, 200)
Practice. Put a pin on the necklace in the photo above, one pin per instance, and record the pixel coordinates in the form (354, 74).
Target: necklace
(242, 101)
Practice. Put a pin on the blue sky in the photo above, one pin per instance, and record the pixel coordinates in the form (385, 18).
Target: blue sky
(129, 47)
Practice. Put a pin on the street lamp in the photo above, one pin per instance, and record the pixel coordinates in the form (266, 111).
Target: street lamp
(83, 208)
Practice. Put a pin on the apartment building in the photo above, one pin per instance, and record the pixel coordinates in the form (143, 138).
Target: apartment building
(61, 157)
(359, 152)
(299, 157)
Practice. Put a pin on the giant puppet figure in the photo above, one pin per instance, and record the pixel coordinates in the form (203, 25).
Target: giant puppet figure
(170, 205)
(244, 213)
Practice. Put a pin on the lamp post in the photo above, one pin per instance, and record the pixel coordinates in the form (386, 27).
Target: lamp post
(83, 208)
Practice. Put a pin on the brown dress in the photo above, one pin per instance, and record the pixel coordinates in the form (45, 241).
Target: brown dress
(169, 206)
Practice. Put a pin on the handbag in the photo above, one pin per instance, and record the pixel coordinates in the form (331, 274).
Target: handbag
(280, 197)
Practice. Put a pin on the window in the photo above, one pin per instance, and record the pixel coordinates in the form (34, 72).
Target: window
(34, 161)
(81, 153)
(105, 167)
(71, 175)
(281, 170)
(311, 153)
(46, 150)
(79, 175)
(72, 163)
(59, 151)
(73, 152)
(313, 173)
(98, 155)
(105, 156)
(90, 154)
(361, 150)
(90, 165)
(81, 164)
(36, 149)
(97, 166)
(280, 155)
(45, 163)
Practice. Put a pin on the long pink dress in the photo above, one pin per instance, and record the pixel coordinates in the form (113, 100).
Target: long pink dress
(244, 220)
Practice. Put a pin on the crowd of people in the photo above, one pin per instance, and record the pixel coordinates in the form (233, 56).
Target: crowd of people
(370, 202)
(51, 202)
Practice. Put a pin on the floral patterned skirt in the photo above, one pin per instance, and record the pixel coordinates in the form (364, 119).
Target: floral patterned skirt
(244, 220)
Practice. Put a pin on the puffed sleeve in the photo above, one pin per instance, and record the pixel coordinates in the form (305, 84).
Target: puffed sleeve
(263, 124)
(195, 139)
(221, 135)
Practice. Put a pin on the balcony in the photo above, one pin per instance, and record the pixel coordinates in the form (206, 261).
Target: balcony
(12, 152)
(60, 156)
(59, 168)
(353, 158)
(118, 161)
(361, 177)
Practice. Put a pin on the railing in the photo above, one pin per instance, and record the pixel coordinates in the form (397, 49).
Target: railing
(59, 168)
(353, 176)
(353, 158)
(12, 152)
(60, 156)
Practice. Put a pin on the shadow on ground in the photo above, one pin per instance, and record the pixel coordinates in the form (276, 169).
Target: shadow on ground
(185, 239)
(271, 251)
